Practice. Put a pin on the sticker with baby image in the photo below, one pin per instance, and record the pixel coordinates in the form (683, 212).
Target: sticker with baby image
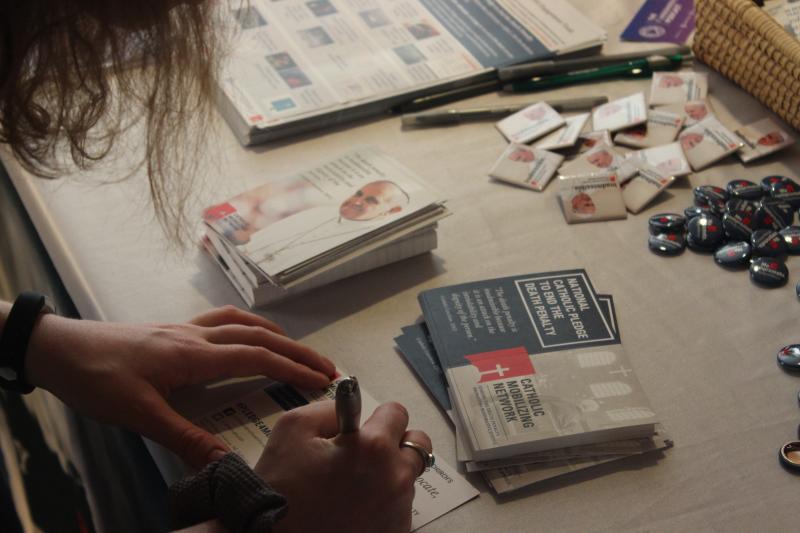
(677, 87)
(530, 123)
(599, 160)
(762, 138)
(525, 166)
(707, 142)
(591, 198)
(620, 114)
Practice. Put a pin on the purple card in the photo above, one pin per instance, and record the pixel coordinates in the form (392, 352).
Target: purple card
(662, 21)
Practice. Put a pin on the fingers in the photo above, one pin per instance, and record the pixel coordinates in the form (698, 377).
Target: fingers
(413, 457)
(258, 336)
(223, 361)
(230, 314)
(388, 420)
(313, 420)
(162, 424)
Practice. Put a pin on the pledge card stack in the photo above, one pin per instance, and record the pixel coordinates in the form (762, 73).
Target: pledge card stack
(353, 213)
(655, 141)
(532, 372)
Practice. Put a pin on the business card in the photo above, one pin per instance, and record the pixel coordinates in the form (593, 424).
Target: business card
(525, 166)
(620, 114)
(707, 142)
(677, 87)
(566, 136)
(530, 123)
(668, 159)
(693, 111)
(661, 128)
(762, 138)
(591, 198)
(602, 159)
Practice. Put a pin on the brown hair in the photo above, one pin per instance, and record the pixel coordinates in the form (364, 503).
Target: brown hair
(72, 71)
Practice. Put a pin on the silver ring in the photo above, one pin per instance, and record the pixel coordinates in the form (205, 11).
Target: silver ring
(427, 457)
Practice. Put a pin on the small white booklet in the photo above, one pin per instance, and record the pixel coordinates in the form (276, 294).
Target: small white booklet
(620, 114)
(601, 159)
(707, 142)
(566, 136)
(762, 138)
(530, 123)
(693, 111)
(676, 87)
(246, 424)
(590, 139)
(591, 198)
(644, 187)
(661, 128)
(526, 167)
(293, 225)
(668, 159)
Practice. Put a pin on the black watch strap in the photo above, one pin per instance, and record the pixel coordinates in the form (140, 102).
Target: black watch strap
(15, 338)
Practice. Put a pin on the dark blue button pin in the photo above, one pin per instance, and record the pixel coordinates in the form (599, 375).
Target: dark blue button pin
(738, 226)
(667, 243)
(694, 210)
(768, 181)
(740, 206)
(789, 357)
(745, 190)
(706, 231)
(769, 271)
(786, 191)
(789, 456)
(767, 242)
(704, 195)
(774, 215)
(733, 254)
(791, 238)
(666, 223)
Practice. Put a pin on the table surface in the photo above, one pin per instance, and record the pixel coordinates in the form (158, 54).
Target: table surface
(702, 339)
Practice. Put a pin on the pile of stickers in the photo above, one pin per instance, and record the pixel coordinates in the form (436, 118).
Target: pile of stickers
(599, 179)
(745, 225)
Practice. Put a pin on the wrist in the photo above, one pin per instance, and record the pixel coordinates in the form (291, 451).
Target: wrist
(44, 349)
(18, 324)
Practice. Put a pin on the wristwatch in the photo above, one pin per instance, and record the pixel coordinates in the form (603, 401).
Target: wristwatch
(15, 338)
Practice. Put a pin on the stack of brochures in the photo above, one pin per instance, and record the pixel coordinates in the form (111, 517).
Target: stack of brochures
(353, 213)
(532, 372)
(299, 65)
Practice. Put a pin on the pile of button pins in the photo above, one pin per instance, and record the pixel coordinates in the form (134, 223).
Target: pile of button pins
(743, 225)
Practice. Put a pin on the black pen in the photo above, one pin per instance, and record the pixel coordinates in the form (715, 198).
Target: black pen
(445, 117)
(559, 66)
(348, 405)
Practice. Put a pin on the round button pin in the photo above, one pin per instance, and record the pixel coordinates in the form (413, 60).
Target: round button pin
(738, 226)
(786, 191)
(791, 238)
(789, 357)
(694, 211)
(768, 181)
(744, 189)
(789, 456)
(667, 243)
(769, 271)
(774, 215)
(767, 243)
(666, 223)
(706, 231)
(733, 254)
(705, 194)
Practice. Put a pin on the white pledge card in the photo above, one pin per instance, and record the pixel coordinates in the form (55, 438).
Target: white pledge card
(590, 139)
(762, 138)
(677, 87)
(246, 424)
(565, 136)
(693, 111)
(602, 159)
(708, 141)
(661, 128)
(668, 159)
(530, 123)
(525, 166)
(643, 188)
(620, 114)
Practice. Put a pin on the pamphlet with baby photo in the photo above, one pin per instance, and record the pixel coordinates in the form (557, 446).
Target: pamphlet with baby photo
(530, 123)
(692, 111)
(669, 159)
(762, 138)
(602, 159)
(661, 128)
(337, 204)
(707, 142)
(526, 167)
(677, 87)
(620, 114)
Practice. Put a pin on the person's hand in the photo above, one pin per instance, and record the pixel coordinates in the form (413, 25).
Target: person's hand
(356, 482)
(123, 373)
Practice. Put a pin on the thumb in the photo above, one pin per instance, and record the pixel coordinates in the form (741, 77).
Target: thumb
(194, 445)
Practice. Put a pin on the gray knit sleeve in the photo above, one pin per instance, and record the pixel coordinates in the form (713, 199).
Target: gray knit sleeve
(229, 491)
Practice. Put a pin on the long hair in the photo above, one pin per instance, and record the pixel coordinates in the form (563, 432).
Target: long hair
(76, 74)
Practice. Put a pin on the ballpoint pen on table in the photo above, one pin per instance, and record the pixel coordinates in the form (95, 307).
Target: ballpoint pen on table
(558, 66)
(639, 68)
(348, 405)
(456, 116)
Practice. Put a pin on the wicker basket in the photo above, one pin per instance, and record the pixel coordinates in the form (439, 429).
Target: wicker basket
(749, 47)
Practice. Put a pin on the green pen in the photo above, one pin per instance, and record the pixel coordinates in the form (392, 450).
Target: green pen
(638, 68)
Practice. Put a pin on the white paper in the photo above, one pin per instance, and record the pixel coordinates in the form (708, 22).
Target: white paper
(661, 128)
(708, 141)
(528, 167)
(530, 123)
(677, 87)
(762, 138)
(566, 136)
(620, 114)
(602, 159)
(693, 111)
(244, 426)
(668, 159)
